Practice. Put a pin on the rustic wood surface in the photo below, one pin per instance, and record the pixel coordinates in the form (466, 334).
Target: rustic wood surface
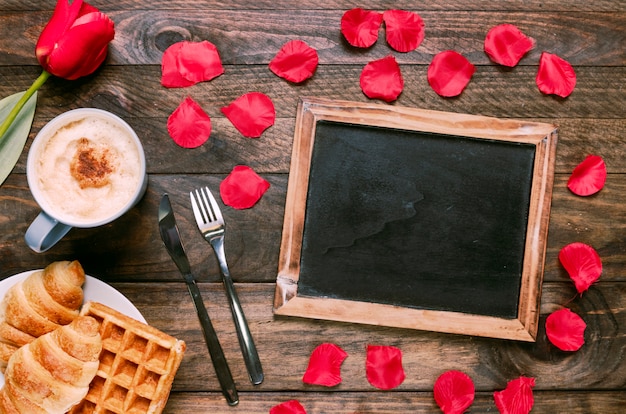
(130, 256)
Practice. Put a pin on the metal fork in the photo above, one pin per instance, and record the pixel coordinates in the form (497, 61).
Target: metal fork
(212, 226)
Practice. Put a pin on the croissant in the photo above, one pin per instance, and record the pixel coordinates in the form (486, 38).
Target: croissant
(53, 373)
(40, 304)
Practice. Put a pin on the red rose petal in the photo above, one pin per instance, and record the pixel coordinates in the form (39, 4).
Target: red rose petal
(325, 365)
(404, 30)
(288, 407)
(189, 126)
(295, 61)
(566, 330)
(199, 61)
(517, 397)
(170, 76)
(582, 263)
(588, 177)
(454, 392)
(360, 27)
(187, 63)
(555, 76)
(384, 366)
(449, 73)
(506, 44)
(243, 188)
(251, 113)
(382, 79)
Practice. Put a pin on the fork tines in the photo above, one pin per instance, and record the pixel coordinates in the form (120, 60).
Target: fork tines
(206, 204)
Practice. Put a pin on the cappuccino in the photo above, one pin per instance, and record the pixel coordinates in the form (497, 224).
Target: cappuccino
(87, 170)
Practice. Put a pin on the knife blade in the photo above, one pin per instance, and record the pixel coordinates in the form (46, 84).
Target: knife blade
(171, 239)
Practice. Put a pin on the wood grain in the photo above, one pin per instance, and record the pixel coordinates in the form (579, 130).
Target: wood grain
(589, 38)
(440, 5)
(271, 153)
(490, 362)
(129, 253)
(365, 402)
(253, 238)
(490, 93)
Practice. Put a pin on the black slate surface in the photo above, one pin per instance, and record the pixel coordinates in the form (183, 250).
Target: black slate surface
(416, 219)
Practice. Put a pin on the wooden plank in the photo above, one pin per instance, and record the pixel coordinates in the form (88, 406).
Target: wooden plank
(255, 36)
(271, 153)
(521, 5)
(546, 402)
(285, 343)
(490, 92)
(253, 240)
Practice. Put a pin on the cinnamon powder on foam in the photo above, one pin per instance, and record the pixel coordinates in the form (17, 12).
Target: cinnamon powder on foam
(91, 166)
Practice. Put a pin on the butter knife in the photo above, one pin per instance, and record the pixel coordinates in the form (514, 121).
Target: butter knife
(171, 238)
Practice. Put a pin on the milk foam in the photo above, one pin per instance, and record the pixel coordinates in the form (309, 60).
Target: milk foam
(92, 203)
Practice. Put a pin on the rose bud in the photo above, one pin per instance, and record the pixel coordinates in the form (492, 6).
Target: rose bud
(74, 42)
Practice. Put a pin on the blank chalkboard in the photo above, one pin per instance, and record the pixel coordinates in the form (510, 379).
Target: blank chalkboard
(418, 219)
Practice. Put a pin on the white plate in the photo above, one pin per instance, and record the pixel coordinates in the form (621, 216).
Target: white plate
(94, 290)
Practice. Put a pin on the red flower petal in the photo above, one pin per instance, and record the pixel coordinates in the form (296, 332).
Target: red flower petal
(170, 76)
(75, 41)
(199, 61)
(65, 13)
(325, 365)
(295, 61)
(517, 397)
(189, 126)
(288, 407)
(588, 177)
(404, 30)
(243, 188)
(251, 113)
(454, 392)
(506, 44)
(566, 330)
(384, 366)
(449, 73)
(555, 76)
(582, 263)
(382, 79)
(187, 63)
(360, 27)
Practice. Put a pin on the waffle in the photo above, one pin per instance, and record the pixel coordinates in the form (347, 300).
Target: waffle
(137, 365)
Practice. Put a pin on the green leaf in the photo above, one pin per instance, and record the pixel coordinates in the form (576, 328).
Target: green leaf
(13, 141)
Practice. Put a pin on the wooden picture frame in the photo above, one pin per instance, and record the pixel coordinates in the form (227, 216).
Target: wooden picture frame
(444, 151)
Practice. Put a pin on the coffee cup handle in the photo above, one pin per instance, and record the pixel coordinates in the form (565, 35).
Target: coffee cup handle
(44, 232)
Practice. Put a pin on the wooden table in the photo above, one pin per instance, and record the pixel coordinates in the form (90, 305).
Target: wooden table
(130, 256)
